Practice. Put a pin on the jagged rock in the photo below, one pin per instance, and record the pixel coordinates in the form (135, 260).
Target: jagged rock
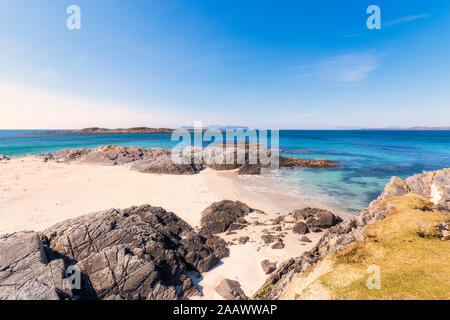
(268, 267)
(218, 217)
(395, 187)
(305, 239)
(315, 229)
(300, 228)
(207, 263)
(28, 270)
(231, 290)
(136, 253)
(188, 288)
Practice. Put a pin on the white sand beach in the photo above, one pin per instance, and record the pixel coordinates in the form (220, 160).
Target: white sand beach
(35, 195)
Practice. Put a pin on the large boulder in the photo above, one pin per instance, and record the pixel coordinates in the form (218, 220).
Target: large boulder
(136, 253)
(300, 228)
(219, 216)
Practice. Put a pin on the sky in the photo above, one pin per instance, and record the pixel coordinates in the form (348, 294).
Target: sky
(256, 63)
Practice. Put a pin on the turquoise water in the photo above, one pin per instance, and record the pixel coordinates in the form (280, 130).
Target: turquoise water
(369, 158)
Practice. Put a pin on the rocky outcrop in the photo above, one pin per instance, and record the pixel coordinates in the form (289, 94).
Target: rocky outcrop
(429, 185)
(231, 290)
(307, 163)
(222, 215)
(153, 160)
(136, 253)
(188, 161)
(160, 161)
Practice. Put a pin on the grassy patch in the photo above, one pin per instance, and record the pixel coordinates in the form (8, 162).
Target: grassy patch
(413, 260)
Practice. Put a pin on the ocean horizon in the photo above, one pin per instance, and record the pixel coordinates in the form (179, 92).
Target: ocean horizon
(368, 158)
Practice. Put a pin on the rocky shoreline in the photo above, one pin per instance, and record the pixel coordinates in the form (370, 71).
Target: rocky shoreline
(433, 186)
(147, 252)
(158, 160)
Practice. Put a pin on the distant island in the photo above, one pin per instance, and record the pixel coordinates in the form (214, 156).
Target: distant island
(135, 130)
(96, 130)
(142, 130)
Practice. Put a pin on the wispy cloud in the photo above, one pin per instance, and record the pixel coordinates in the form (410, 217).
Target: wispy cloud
(45, 73)
(343, 69)
(406, 19)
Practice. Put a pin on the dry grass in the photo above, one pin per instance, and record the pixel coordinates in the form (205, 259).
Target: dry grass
(413, 260)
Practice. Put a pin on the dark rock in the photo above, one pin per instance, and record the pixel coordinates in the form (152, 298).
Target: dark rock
(188, 288)
(267, 238)
(243, 240)
(300, 228)
(207, 263)
(218, 217)
(315, 217)
(268, 267)
(278, 245)
(315, 229)
(239, 224)
(278, 220)
(305, 239)
(136, 253)
(231, 290)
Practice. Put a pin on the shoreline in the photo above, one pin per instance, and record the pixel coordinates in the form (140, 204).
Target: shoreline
(36, 195)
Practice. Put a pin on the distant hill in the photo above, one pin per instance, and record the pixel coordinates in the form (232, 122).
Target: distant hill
(412, 128)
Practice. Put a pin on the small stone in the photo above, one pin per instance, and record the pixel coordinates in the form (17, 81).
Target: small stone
(231, 290)
(278, 245)
(268, 267)
(305, 239)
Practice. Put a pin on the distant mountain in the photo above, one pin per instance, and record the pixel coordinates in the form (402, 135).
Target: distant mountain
(391, 128)
(218, 127)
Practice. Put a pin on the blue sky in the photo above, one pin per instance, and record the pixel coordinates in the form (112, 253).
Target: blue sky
(277, 64)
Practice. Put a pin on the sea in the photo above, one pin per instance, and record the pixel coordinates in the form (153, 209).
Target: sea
(368, 158)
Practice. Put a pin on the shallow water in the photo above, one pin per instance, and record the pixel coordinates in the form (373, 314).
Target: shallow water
(369, 158)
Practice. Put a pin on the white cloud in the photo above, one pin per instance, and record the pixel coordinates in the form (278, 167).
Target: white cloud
(343, 69)
(406, 19)
(45, 73)
(31, 108)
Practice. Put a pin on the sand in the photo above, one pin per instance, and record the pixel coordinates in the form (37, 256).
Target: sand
(34, 195)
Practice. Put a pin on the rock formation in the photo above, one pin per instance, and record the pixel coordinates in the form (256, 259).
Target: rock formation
(188, 161)
(220, 216)
(136, 253)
